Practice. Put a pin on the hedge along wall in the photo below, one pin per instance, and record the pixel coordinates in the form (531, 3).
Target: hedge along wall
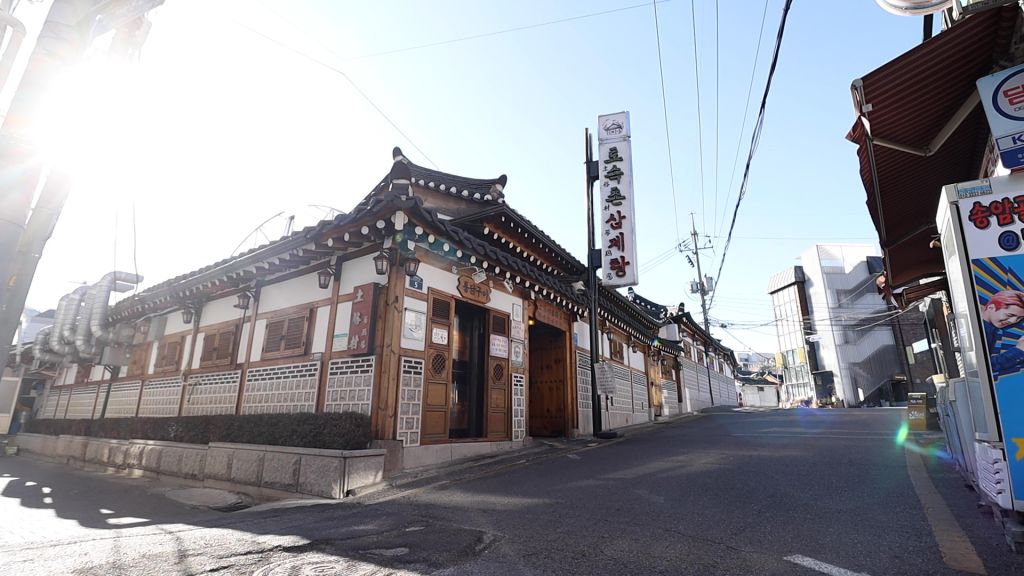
(335, 431)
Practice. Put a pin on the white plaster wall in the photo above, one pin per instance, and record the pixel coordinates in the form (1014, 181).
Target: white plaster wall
(636, 359)
(418, 306)
(257, 340)
(243, 343)
(185, 351)
(97, 373)
(174, 323)
(361, 271)
(503, 301)
(154, 351)
(341, 326)
(319, 343)
(200, 339)
(434, 277)
(582, 332)
(291, 293)
(220, 310)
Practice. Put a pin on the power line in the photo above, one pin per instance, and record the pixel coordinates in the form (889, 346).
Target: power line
(746, 111)
(755, 136)
(499, 32)
(718, 101)
(664, 109)
(700, 129)
(341, 73)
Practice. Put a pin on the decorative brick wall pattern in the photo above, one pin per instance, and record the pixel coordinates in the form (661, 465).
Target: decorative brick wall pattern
(518, 406)
(281, 389)
(98, 408)
(124, 399)
(641, 402)
(669, 398)
(62, 403)
(215, 393)
(410, 401)
(80, 402)
(161, 397)
(50, 407)
(623, 399)
(583, 393)
(350, 385)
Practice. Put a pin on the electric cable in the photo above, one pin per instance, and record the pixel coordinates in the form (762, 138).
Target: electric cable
(743, 125)
(755, 137)
(664, 110)
(700, 129)
(347, 78)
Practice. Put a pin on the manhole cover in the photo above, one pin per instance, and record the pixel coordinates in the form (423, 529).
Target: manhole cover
(315, 564)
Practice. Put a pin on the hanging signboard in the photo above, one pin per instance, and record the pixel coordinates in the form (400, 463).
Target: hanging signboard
(615, 193)
(605, 378)
(1002, 96)
(992, 215)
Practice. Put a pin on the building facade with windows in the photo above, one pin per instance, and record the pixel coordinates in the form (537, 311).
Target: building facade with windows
(795, 356)
(433, 307)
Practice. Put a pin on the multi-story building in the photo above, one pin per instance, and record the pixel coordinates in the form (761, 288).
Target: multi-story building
(836, 335)
(794, 358)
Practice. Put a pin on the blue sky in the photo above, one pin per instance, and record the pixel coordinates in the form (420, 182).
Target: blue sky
(219, 128)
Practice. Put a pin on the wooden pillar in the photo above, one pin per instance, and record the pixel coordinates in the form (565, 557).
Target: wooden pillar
(325, 365)
(390, 370)
(188, 361)
(248, 348)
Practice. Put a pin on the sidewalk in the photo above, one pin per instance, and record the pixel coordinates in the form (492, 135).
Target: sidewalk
(419, 479)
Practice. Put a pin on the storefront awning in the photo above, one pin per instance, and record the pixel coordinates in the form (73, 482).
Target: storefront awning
(920, 125)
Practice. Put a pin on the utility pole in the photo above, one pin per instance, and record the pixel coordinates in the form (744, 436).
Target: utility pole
(703, 289)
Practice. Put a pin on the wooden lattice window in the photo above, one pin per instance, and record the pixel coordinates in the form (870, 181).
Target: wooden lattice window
(286, 336)
(218, 347)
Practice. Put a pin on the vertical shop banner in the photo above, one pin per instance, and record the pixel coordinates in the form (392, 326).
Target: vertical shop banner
(615, 193)
(992, 217)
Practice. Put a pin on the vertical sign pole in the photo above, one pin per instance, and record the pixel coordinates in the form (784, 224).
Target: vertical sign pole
(595, 348)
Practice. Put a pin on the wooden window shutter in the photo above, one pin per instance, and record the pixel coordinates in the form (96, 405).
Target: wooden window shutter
(295, 334)
(497, 377)
(137, 362)
(209, 348)
(286, 336)
(275, 333)
(83, 372)
(437, 397)
(225, 345)
(174, 354)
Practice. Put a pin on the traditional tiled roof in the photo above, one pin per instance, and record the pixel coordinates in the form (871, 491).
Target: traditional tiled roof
(478, 219)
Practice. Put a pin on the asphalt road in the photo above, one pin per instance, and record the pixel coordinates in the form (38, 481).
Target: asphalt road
(734, 492)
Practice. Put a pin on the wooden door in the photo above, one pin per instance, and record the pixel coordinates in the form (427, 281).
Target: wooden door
(497, 378)
(437, 396)
(547, 382)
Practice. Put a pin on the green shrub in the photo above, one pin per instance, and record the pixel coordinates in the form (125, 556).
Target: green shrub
(334, 430)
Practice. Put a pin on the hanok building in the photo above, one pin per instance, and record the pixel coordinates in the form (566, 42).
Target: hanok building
(433, 307)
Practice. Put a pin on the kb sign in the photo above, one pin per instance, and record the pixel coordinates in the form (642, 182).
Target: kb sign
(1002, 95)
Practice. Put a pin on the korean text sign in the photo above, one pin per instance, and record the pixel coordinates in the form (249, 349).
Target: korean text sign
(617, 239)
(992, 218)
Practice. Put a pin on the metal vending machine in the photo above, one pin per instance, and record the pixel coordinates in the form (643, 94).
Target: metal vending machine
(981, 226)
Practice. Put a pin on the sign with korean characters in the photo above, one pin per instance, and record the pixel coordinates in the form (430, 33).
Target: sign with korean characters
(618, 222)
(363, 319)
(992, 218)
(1002, 96)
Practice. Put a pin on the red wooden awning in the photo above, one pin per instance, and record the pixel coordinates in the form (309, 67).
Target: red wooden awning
(928, 131)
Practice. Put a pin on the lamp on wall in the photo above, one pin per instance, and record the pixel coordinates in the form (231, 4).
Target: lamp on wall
(244, 298)
(187, 314)
(323, 277)
(381, 262)
(412, 266)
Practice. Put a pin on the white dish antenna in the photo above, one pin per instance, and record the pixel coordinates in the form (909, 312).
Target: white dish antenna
(914, 7)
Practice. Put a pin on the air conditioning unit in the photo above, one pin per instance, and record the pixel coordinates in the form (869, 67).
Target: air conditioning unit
(114, 356)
